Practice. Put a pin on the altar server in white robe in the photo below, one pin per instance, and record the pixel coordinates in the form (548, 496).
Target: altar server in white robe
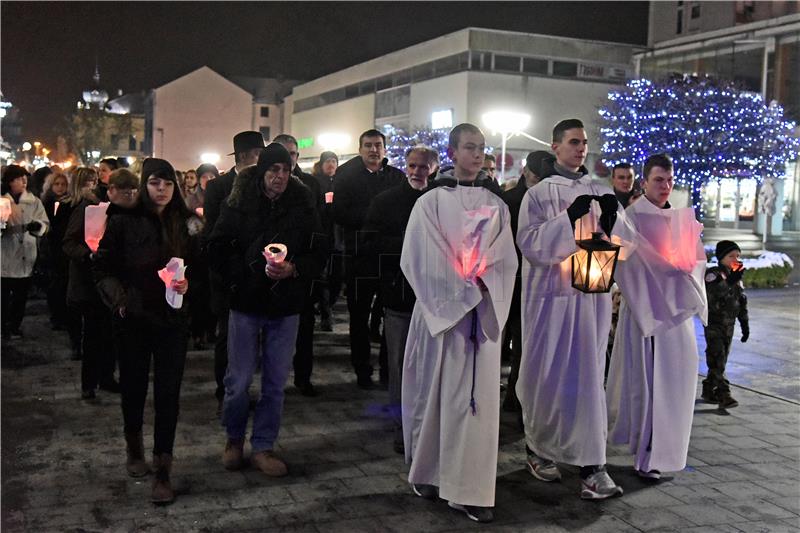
(653, 375)
(565, 332)
(458, 256)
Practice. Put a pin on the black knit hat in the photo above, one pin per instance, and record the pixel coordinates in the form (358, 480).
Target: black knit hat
(247, 140)
(324, 156)
(534, 161)
(158, 167)
(13, 172)
(273, 153)
(724, 248)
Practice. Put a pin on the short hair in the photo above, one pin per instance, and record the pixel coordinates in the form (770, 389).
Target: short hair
(455, 133)
(568, 124)
(657, 160)
(489, 157)
(111, 162)
(285, 138)
(122, 178)
(371, 133)
(623, 166)
(431, 156)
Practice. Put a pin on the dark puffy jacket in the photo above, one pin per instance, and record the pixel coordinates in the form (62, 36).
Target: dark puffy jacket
(247, 223)
(54, 238)
(354, 189)
(513, 199)
(126, 265)
(726, 302)
(382, 240)
(217, 190)
(80, 288)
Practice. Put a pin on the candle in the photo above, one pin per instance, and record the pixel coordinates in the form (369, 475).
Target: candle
(5, 211)
(275, 253)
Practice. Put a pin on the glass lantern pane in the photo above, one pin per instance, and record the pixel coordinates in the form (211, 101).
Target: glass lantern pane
(601, 270)
(579, 260)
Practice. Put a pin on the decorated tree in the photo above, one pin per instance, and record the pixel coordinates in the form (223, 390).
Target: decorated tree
(711, 129)
(399, 141)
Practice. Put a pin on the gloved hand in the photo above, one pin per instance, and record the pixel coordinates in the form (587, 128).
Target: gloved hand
(608, 207)
(745, 331)
(579, 207)
(33, 226)
(735, 276)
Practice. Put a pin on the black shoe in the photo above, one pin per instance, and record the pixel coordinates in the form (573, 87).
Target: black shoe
(307, 389)
(88, 395)
(478, 514)
(429, 492)
(726, 401)
(365, 382)
(110, 386)
(709, 394)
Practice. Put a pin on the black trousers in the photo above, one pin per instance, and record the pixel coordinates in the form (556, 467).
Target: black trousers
(97, 344)
(303, 361)
(718, 346)
(221, 352)
(327, 292)
(15, 296)
(138, 342)
(512, 345)
(360, 295)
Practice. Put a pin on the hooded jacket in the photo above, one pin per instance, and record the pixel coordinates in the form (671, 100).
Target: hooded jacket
(249, 221)
(19, 246)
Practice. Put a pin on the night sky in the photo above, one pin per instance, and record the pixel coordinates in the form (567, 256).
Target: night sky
(49, 48)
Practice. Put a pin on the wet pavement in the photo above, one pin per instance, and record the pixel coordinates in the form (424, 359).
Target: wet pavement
(63, 458)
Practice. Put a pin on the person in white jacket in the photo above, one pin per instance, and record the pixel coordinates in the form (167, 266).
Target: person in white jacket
(653, 374)
(565, 331)
(26, 223)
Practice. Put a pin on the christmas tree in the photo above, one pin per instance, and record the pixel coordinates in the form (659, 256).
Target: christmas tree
(711, 129)
(399, 141)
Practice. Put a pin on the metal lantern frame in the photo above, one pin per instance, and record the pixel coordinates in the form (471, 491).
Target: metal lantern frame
(596, 253)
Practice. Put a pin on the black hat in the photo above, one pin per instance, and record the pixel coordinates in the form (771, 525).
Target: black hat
(724, 248)
(206, 168)
(324, 156)
(274, 153)
(158, 167)
(534, 161)
(247, 140)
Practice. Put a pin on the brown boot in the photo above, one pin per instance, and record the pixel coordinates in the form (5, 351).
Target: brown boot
(162, 488)
(267, 462)
(134, 447)
(233, 455)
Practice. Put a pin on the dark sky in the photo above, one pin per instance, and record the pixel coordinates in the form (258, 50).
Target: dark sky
(48, 48)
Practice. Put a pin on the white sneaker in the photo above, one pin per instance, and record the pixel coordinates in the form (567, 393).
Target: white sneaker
(599, 486)
(543, 469)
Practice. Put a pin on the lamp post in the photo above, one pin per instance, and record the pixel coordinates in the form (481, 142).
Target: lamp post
(507, 124)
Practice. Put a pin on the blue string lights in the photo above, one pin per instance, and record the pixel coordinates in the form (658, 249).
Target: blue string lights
(400, 141)
(711, 129)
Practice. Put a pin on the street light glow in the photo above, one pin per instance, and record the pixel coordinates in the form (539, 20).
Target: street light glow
(210, 158)
(26, 146)
(506, 121)
(333, 141)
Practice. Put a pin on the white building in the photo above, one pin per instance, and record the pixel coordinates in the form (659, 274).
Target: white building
(458, 78)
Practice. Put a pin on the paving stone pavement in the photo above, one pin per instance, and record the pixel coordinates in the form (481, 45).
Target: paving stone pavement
(63, 461)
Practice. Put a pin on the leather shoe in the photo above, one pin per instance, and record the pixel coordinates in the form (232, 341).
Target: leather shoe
(269, 464)
(233, 455)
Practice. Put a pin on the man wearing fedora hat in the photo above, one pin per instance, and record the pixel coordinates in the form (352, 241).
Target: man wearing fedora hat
(247, 145)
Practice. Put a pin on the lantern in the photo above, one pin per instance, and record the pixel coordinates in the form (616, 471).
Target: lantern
(5, 211)
(593, 264)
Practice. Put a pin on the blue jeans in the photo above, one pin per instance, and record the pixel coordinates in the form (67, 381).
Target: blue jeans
(273, 340)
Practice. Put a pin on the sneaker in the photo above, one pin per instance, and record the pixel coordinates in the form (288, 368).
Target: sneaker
(478, 514)
(726, 401)
(429, 492)
(269, 464)
(543, 469)
(652, 474)
(599, 486)
(233, 455)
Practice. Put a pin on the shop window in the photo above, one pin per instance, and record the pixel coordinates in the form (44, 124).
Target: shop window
(506, 63)
(533, 65)
(563, 68)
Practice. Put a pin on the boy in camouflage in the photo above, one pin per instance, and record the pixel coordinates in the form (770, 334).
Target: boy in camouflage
(726, 303)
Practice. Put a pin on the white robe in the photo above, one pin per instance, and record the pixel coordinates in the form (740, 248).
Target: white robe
(565, 331)
(653, 376)
(449, 446)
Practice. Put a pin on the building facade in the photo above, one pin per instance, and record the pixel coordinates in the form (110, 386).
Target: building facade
(457, 78)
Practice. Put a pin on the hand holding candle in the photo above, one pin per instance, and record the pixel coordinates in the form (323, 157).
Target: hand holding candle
(176, 285)
(5, 211)
(277, 268)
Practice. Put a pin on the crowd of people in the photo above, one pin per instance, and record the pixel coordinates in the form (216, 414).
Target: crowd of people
(449, 262)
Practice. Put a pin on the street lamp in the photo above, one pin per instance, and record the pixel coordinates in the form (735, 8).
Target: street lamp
(507, 124)
(209, 157)
(333, 141)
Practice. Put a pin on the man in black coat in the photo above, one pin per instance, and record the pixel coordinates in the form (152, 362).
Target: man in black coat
(247, 145)
(304, 349)
(356, 183)
(512, 338)
(383, 233)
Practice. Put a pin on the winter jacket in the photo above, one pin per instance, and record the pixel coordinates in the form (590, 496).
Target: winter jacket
(128, 259)
(333, 230)
(196, 199)
(354, 189)
(80, 287)
(59, 220)
(19, 246)
(513, 199)
(217, 190)
(382, 240)
(248, 222)
(726, 302)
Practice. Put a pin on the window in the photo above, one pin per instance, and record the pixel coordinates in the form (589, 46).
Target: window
(132, 143)
(422, 72)
(695, 12)
(265, 132)
(562, 68)
(383, 83)
(442, 119)
(393, 102)
(264, 111)
(481, 61)
(507, 63)
(532, 65)
(351, 91)
(679, 26)
(446, 65)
